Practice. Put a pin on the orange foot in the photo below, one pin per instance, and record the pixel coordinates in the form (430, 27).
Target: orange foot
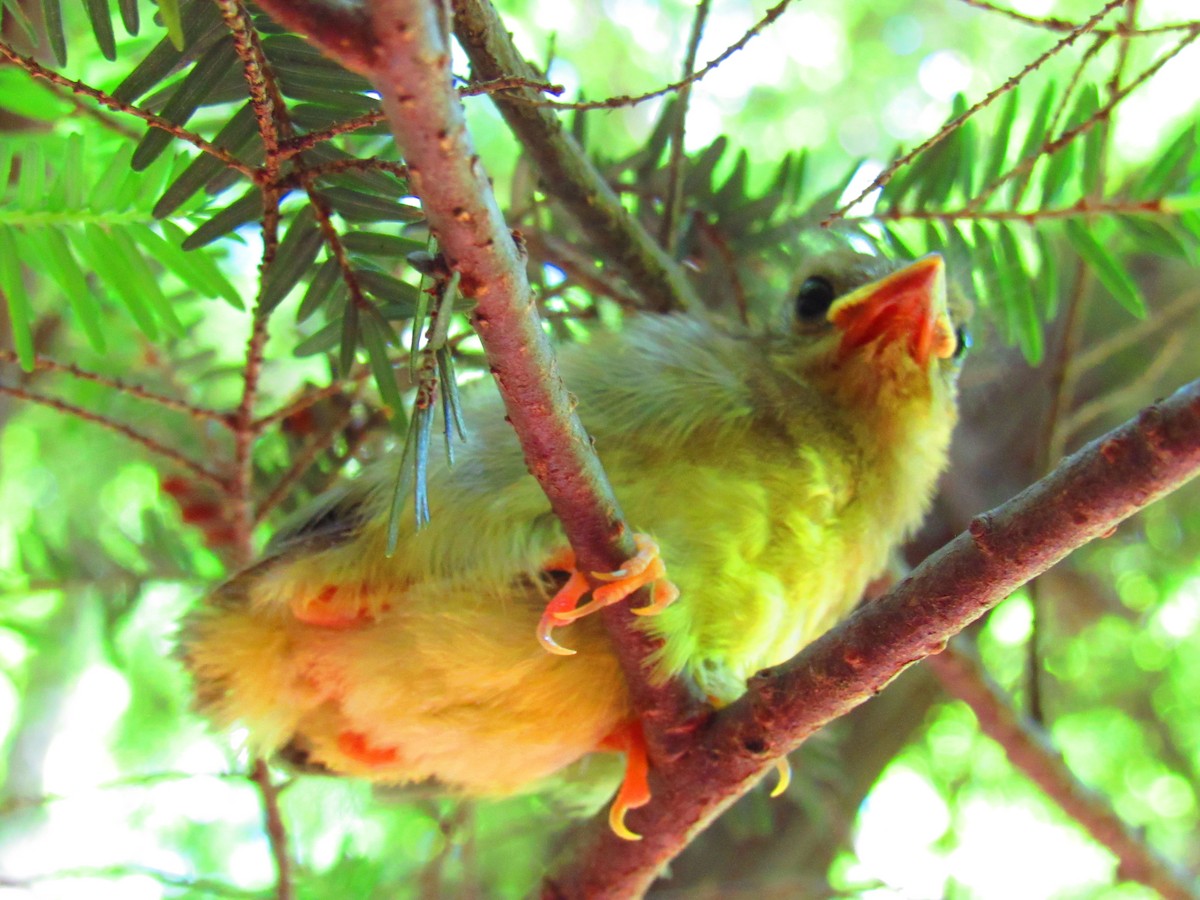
(645, 567)
(635, 788)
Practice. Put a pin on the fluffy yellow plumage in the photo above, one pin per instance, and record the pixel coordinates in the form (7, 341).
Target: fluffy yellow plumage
(776, 468)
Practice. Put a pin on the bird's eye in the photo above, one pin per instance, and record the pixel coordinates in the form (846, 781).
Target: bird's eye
(963, 338)
(814, 298)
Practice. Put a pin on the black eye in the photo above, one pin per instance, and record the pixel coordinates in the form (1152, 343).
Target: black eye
(964, 342)
(814, 298)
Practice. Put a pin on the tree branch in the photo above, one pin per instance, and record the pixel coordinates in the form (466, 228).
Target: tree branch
(426, 115)
(1086, 497)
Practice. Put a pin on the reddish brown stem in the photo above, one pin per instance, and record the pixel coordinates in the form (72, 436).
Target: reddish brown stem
(1029, 749)
(1086, 497)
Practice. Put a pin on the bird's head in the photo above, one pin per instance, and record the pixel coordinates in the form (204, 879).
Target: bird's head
(878, 340)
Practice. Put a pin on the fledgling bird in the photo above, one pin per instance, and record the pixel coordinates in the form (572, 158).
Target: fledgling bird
(775, 469)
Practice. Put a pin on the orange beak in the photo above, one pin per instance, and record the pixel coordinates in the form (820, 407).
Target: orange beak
(907, 307)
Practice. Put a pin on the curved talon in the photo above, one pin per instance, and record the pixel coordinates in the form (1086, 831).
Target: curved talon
(557, 612)
(635, 787)
(548, 643)
(616, 821)
(784, 767)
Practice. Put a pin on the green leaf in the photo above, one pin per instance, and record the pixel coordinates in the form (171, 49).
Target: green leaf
(350, 336)
(1156, 239)
(983, 277)
(1110, 272)
(699, 178)
(173, 22)
(147, 283)
(733, 191)
(26, 96)
(100, 18)
(234, 135)
(246, 208)
(1034, 138)
(202, 28)
(1059, 167)
(376, 335)
(326, 338)
(1047, 275)
(187, 97)
(317, 73)
(319, 289)
(1170, 166)
(373, 243)
(50, 247)
(1093, 142)
(196, 268)
(31, 178)
(400, 296)
(101, 254)
(20, 313)
(355, 206)
(71, 177)
(292, 260)
(129, 16)
(52, 21)
(1016, 290)
(999, 140)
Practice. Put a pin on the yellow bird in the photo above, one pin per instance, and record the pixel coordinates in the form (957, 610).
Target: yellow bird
(772, 469)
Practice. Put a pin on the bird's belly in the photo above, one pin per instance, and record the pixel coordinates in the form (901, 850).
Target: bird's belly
(766, 559)
(446, 687)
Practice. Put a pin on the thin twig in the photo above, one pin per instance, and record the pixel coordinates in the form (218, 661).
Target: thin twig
(954, 124)
(337, 166)
(312, 398)
(1084, 414)
(666, 234)
(142, 440)
(1051, 146)
(37, 70)
(625, 100)
(300, 463)
(276, 833)
(565, 171)
(496, 85)
(1050, 23)
(1029, 749)
(45, 364)
(302, 142)
(1122, 338)
(1083, 207)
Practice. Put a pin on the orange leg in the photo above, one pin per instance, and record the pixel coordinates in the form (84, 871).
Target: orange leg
(645, 567)
(628, 738)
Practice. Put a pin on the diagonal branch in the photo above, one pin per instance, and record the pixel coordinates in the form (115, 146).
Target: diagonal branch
(1028, 748)
(1086, 497)
(426, 115)
(566, 172)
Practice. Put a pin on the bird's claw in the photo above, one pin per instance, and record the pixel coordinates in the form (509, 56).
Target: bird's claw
(645, 567)
(635, 786)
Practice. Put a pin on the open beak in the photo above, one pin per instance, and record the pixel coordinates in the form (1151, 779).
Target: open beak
(907, 308)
